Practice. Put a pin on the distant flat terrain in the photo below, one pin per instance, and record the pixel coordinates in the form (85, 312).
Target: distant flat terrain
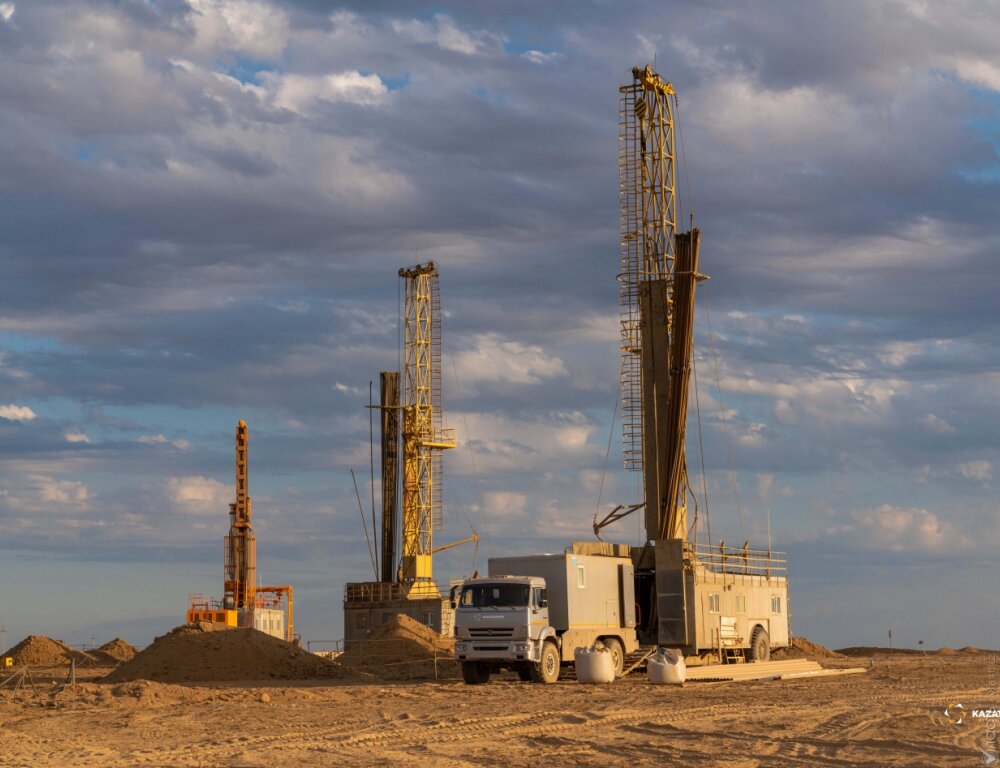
(891, 715)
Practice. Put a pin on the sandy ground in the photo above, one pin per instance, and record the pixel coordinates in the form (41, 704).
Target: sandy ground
(891, 715)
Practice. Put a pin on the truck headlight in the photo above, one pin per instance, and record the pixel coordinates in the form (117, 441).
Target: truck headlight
(460, 648)
(522, 648)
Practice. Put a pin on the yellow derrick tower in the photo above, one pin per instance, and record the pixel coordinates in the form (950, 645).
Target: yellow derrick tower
(412, 438)
(423, 437)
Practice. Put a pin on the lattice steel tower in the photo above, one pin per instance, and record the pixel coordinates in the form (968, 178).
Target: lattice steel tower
(648, 220)
(423, 437)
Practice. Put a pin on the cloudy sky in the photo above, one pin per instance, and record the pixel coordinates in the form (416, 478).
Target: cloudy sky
(203, 205)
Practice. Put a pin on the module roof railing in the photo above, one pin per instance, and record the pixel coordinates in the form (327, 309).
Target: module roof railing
(745, 561)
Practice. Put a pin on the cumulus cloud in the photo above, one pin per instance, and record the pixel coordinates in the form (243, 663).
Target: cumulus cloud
(905, 529)
(979, 470)
(199, 494)
(250, 27)
(16, 413)
(501, 444)
(490, 357)
(824, 398)
(298, 92)
(768, 489)
(937, 425)
(76, 437)
(47, 494)
(979, 71)
(503, 507)
(447, 35)
(7, 11)
(180, 444)
(540, 57)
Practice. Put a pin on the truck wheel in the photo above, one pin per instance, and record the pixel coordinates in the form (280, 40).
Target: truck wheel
(547, 668)
(524, 671)
(475, 672)
(614, 645)
(760, 644)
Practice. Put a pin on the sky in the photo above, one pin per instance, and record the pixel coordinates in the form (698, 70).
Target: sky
(204, 205)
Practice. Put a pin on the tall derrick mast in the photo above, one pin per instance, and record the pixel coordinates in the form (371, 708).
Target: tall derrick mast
(423, 437)
(390, 473)
(656, 299)
(745, 591)
(412, 445)
(269, 609)
(241, 544)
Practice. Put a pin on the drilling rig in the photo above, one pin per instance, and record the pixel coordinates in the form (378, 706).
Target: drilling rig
(406, 585)
(269, 609)
(718, 602)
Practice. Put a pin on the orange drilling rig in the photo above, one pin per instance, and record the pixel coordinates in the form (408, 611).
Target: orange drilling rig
(268, 609)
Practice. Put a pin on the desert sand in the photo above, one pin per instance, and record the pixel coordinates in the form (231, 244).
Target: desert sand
(892, 715)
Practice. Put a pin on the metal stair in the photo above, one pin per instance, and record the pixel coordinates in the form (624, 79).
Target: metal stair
(637, 658)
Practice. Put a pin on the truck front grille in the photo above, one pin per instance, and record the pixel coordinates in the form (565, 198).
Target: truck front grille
(491, 632)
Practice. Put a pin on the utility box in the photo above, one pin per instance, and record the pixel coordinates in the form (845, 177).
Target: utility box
(270, 621)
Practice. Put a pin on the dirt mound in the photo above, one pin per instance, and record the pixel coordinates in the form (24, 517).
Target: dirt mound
(199, 653)
(117, 649)
(803, 648)
(869, 650)
(41, 651)
(403, 649)
(947, 651)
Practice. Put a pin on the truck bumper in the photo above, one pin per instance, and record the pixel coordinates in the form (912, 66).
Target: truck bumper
(481, 650)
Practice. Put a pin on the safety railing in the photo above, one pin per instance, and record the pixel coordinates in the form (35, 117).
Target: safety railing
(741, 560)
(372, 591)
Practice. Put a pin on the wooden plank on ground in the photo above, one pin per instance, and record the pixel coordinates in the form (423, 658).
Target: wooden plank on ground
(823, 673)
(754, 671)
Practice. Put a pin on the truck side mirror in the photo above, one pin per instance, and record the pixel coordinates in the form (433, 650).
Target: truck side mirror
(454, 603)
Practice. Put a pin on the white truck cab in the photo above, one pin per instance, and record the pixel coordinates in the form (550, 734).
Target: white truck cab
(532, 612)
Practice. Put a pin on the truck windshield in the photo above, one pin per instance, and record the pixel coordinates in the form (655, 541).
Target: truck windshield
(513, 595)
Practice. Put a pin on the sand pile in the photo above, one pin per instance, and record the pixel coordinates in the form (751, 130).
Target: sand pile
(402, 649)
(200, 653)
(116, 651)
(803, 648)
(869, 650)
(41, 651)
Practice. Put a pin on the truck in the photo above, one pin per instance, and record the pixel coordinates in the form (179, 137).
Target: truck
(531, 613)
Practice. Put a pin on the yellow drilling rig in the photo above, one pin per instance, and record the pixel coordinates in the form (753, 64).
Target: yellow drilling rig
(406, 585)
(269, 609)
